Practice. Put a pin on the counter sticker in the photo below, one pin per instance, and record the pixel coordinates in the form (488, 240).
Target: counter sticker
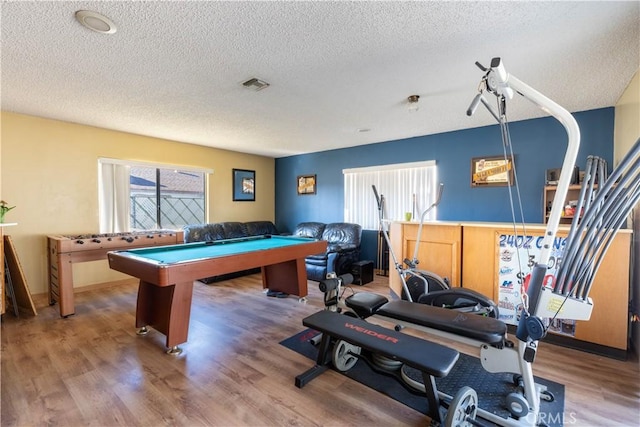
(517, 256)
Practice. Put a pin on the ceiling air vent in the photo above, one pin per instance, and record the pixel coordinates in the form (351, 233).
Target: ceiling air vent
(255, 84)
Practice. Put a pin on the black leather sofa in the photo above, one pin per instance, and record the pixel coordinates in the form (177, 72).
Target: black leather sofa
(343, 247)
(227, 230)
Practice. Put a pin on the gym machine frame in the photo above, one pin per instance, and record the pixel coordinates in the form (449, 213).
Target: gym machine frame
(431, 288)
(509, 357)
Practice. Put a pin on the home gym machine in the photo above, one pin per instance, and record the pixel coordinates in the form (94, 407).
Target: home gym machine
(426, 287)
(567, 296)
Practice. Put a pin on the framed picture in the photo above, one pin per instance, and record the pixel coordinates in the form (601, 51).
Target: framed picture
(491, 171)
(306, 184)
(244, 185)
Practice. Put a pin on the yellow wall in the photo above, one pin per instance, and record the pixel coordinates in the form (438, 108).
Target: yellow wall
(626, 129)
(48, 171)
(626, 132)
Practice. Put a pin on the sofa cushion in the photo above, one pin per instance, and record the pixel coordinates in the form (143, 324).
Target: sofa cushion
(260, 228)
(203, 233)
(312, 230)
(342, 236)
(317, 259)
(234, 230)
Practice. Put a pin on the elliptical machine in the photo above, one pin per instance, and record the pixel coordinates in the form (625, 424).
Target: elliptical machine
(426, 287)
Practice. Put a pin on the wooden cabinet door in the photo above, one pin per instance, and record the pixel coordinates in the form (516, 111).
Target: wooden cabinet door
(439, 250)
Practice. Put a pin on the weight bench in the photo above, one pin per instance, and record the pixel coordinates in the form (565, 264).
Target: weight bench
(497, 353)
(480, 328)
(431, 359)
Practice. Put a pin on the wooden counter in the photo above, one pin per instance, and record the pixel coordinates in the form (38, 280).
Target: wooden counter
(440, 249)
(468, 255)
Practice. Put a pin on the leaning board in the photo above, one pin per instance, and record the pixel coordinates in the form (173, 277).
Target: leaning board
(20, 286)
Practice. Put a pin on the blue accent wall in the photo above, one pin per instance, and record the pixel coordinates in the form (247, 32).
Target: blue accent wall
(538, 145)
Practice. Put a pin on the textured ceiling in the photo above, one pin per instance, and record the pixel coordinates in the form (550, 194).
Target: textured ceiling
(174, 69)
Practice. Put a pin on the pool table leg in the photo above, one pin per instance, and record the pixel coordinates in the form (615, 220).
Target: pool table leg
(289, 277)
(167, 309)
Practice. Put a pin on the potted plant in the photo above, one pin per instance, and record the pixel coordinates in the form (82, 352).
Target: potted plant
(4, 208)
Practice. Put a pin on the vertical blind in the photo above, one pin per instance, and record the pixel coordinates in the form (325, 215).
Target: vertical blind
(406, 187)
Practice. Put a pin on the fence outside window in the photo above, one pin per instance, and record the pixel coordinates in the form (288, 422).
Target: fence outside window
(175, 212)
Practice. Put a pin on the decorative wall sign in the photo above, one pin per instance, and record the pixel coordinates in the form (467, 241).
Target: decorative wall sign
(491, 171)
(306, 184)
(244, 185)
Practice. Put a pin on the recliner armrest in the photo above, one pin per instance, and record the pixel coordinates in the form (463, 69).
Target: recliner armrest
(341, 247)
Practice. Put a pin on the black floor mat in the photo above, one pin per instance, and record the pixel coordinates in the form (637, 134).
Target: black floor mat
(491, 388)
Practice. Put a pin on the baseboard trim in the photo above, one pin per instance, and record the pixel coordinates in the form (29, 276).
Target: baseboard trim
(42, 300)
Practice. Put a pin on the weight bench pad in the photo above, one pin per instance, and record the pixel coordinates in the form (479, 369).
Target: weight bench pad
(428, 357)
(481, 328)
(365, 303)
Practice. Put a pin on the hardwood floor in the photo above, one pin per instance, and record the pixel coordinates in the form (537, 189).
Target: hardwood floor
(93, 370)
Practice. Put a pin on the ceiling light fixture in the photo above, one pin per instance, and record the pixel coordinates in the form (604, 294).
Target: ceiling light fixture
(255, 84)
(96, 22)
(412, 102)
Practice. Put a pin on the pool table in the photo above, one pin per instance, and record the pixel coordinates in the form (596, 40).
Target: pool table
(167, 274)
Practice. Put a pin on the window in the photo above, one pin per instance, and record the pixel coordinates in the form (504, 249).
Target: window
(137, 196)
(406, 187)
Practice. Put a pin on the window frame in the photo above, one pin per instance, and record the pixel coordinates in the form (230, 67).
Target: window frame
(114, 189)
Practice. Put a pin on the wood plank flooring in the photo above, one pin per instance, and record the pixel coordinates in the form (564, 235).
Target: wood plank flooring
(92, 369)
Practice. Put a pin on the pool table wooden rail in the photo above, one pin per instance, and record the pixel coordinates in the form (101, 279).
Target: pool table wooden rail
(168, 274)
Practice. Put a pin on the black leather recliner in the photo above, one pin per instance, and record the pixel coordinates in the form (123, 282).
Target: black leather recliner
(312, 230)
(343, 247)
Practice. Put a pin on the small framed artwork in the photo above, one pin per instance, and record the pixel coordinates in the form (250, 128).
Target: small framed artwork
(491, 171)
(306, 184)
(244, 185)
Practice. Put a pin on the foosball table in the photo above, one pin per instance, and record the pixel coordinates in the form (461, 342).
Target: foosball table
(64, 251)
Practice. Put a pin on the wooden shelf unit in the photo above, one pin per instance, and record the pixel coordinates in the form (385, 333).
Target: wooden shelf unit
(549, 196)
